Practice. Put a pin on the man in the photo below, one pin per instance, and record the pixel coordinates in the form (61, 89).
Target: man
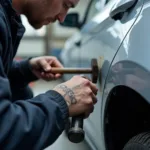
(28, 123)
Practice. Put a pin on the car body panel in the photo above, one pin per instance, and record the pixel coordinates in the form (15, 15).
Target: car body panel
(101, 38)
(135, 51)
(130, 66)
(105, 40)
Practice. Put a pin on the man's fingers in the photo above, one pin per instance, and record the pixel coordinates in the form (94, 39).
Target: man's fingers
(94, 99)
(48, 62)
(92, 85)
(55, 63)
(93, 88)
(44, 64)
(47, 76)
(57, 76)
(87, 114)
(83, 76)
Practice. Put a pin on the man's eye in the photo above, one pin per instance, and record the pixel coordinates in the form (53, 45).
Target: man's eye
(66, 6)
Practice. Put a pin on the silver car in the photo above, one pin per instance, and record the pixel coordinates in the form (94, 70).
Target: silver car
(119, 38)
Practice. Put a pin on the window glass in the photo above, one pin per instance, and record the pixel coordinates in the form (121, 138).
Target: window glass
(107, 1)
(61, 31)
(94, 9)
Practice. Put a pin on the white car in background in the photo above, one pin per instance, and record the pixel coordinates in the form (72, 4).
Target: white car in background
(118, 36)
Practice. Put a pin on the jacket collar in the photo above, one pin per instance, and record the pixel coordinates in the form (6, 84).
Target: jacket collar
(7, 4)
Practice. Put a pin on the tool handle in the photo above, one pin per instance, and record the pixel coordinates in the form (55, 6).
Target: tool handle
(76, 133)
(71, 70)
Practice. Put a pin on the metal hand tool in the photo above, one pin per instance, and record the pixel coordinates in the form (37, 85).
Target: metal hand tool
(76, 133)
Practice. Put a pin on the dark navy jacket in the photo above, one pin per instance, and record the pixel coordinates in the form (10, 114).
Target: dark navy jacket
(24, 125)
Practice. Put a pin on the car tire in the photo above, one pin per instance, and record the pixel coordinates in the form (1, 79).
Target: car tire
(139, 142)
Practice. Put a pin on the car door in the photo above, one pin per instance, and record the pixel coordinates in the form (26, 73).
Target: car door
(110, 27)
(70, 55)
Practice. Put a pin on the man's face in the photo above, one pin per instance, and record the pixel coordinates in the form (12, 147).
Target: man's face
(43, 12)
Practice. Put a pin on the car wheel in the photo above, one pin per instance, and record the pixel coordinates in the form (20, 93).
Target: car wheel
(139, 142)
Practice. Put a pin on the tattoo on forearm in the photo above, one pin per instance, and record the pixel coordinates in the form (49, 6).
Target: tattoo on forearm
(68, 92)
(77, 86)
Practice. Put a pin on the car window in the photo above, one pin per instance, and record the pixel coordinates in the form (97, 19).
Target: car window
(97, 6)
(94, 9)
(107, 1)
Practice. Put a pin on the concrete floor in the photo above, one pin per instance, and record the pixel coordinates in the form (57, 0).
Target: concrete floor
(62, 143)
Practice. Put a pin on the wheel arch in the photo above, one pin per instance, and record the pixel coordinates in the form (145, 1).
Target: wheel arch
(126, 115)
(126, 102)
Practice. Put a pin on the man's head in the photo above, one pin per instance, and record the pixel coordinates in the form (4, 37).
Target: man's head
(43, 12)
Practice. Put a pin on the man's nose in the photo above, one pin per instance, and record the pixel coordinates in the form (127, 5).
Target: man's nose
(61, 17)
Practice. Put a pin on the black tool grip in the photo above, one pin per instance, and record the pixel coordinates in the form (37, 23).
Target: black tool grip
(76, 132)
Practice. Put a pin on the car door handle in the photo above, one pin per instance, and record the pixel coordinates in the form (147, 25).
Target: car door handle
(120, 8)
(78, 43)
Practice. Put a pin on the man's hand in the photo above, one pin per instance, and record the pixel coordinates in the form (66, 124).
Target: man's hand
(41, 67)
(80, 95)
